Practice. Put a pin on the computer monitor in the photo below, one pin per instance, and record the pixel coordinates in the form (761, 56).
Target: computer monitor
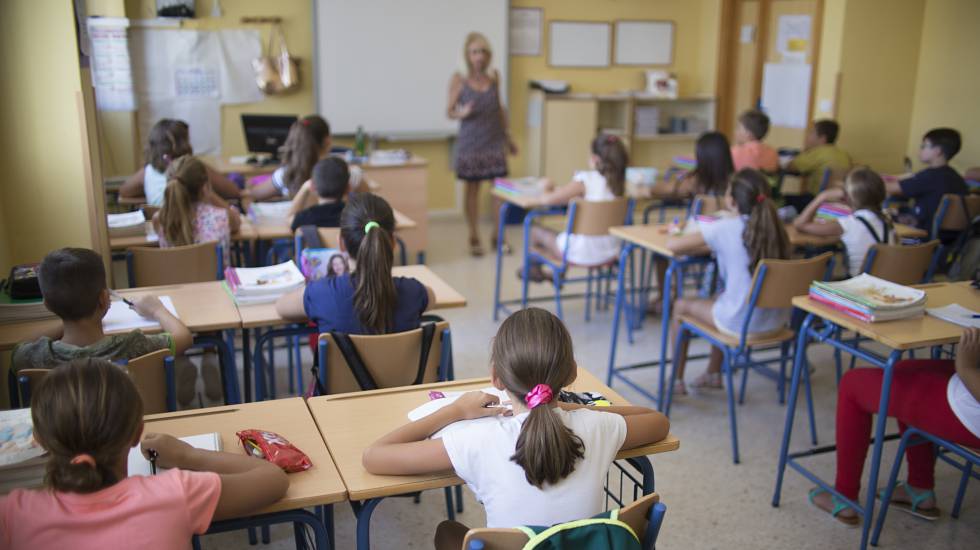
(266, 133)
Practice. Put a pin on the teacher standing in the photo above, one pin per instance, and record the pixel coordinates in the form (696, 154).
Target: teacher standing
(483, 142)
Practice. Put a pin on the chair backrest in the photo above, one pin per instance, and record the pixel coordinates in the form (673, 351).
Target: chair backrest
(150, 373)
(169, 266)
(706, 205)
(904, 265)
(636, 514)
(784, 279)
(391, 359)
(950, 215)
(596, 217)
(27, 381)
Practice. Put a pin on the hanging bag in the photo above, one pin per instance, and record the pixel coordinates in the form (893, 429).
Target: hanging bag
(276, 72)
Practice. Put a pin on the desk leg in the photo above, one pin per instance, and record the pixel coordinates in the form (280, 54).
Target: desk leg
(500, 258)
(872, 487)
(320, 535)
(799, 363)
(363, 511)
(643, 464)
(618, 309)
(229, 373)
(247, 364)
(665, 329)
(528, 220)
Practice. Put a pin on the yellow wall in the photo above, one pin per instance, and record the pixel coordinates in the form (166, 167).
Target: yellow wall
(947, 90)
(43, 202)
(832, 30)
(695, 61)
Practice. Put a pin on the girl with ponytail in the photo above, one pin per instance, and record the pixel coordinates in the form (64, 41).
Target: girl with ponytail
(541, 462)
(368, 300)
(606, 180)
(308, 141)
(87, 414)
(738, 243)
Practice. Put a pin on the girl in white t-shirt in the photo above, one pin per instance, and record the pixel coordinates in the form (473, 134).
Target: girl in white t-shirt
(867, 225)
(738, 243)
(541, 463)
(605, 181)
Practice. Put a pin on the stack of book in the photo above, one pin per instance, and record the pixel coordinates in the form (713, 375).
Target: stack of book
(130, 224)
(262, 285)
(833, 211)
(15, 311)
(870, 299)
(646, 121)
(22, 460)
(519, 187)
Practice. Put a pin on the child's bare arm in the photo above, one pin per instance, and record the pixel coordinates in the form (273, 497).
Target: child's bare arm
(290, 306)
(564, 194)
(407, 450)
(247, 484)
(691, 243)
(304, 199)
(805, 221)
(133, 186)
(643, 425)
(151, 307)
(968, 361)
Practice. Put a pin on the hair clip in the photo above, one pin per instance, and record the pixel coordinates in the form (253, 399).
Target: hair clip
(760, 198)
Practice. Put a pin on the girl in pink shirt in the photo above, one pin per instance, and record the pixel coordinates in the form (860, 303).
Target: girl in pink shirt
(88, 414)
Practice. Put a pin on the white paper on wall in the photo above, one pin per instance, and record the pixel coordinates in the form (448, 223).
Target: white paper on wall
(196, 82)
(786, 93)
(111, 73)
(525, 31)
(792, 29)
(203, 115)
(238, 49)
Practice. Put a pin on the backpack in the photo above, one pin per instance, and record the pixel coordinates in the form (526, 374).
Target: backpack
(966, 265)
(602, 531)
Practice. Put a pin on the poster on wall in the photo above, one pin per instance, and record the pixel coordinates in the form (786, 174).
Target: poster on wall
(786, 93)
(793, 37)
(111, 73)
(525, 31)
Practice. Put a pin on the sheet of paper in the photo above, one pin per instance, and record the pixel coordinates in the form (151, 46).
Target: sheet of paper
(122, 318)
(196, 82)
(957, 314)
(434, 405)
(140, 466)
(237, 50)
(786, 93)
(793, 33)
(111, 70)
(203, 115)
(525, 31)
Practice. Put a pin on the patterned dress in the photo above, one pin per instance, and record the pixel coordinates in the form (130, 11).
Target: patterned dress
(481, 146)
(210, 224)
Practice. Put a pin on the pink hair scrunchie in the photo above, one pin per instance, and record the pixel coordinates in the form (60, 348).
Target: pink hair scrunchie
(540, 395)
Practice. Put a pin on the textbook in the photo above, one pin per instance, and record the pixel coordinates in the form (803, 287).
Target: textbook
(833, 211)
(22, 459)
(140, 466)
(259, 285)
(14, 311)
(129, 224)
(870, 299)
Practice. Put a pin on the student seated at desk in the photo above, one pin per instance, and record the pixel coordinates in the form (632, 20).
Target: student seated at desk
(928, 186)
(738, 243)
(169, 140)
(73, 284)
(605, 181)
(941, 397)
(541, 463)
(820, 152)
(866, 225)
(749, 151)
(330, 184)
(87, 415)
(368, 300)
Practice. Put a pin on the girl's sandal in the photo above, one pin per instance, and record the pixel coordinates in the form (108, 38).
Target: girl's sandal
(929, 514)
(838, 507)
(708, 381)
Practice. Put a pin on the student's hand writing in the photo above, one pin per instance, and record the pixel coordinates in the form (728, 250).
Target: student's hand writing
(147, 306)
(171, 452)
(477, 404)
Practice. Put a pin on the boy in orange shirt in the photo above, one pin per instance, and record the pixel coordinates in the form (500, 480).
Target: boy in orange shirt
(749, 151)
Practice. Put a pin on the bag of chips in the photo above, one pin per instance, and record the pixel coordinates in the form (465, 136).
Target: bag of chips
(274, 448)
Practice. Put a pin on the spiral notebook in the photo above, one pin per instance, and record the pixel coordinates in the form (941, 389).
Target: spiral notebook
(140, 466)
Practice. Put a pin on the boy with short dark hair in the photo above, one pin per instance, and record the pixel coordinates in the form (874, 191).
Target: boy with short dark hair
(331, 182)
(749, 151)
(820, 152)
(928, 186)
(73, 285)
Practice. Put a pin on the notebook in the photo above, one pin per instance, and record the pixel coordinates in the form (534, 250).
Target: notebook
(956, 314)
(122, 318)
(434, 404)
(140, 466)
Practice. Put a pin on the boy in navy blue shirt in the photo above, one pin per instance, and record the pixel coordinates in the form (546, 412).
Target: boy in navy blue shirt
(331, 182)
(927, 187)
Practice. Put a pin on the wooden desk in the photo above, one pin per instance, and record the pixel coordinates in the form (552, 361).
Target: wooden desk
(202, 307)
(405, 186)
(246, 233)
(350, 422)
(224, 165)
(270, 230)
(289, 418)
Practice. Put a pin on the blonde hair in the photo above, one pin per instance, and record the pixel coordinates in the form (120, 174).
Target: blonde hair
(186, 178)
(476, 37)
(865, 190)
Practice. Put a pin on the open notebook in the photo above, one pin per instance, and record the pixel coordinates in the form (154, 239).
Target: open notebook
(434, 405)
(140, 466)
(122, 318)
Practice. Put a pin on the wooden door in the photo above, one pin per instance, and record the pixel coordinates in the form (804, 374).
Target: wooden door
(785, 136)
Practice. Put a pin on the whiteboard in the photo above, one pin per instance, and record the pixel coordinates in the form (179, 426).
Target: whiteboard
(386, 64)
(644, 42)
(579, 44)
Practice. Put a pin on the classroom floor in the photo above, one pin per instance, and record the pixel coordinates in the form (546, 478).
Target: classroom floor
(711, 503)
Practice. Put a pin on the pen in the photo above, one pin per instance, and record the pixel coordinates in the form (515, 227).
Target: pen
(153, 461)
(115, 294)
(975, 316)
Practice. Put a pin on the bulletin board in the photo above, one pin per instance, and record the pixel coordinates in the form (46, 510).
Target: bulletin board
(582, 44)
(644, 42)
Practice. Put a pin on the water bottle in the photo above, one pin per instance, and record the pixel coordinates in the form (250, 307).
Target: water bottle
(359, 145)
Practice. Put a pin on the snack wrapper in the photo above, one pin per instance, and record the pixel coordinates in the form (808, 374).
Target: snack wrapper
(274, 448)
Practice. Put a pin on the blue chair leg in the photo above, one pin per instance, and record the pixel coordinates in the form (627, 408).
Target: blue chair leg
(556, 276)
(741, 389)
(809, 404)
(889, 487)
(726, 367)
(682, 336)
(588, 293)
(459, 499)
(961, 491)
(783, 358)
(450, 510)
(289, 366)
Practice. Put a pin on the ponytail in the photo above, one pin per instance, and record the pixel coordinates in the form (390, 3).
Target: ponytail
(764, 235)
(186, 179)
(865, 190)
(302, 150)
(532, 356)
(87, 413)
(367, 225)
(613, 159)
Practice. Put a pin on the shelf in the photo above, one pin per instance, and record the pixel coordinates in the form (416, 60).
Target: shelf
(667, 137)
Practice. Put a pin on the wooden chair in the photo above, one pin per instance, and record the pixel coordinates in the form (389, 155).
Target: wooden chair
(904, 265)
(153, 375)
(388, 360)
(644, 516)
(774, 285)
(168, 266)
(586, 218)
(951, 216)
